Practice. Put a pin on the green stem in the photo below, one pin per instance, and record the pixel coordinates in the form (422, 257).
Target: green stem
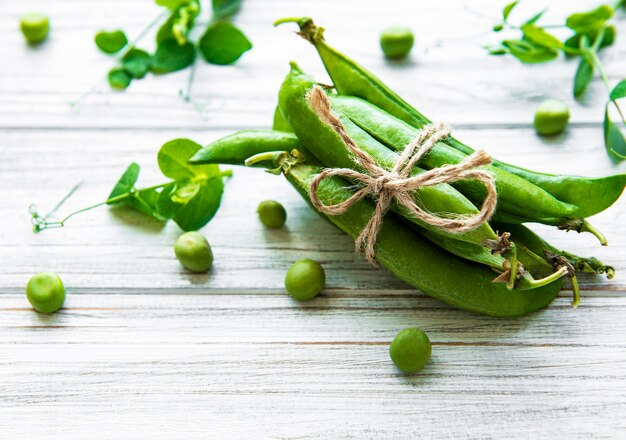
(576, 289)
(588, 227)
(530, 283)
(605, 80)
(511, 254)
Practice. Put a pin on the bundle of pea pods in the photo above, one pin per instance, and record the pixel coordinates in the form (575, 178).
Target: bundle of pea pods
(500, 268)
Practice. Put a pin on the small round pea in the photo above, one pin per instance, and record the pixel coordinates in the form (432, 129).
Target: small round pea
(271, 213)
(396, 42)
(551, 117)
(35, 27)
(45, 292)
(410, 350)
(194, 252)
(305, 279)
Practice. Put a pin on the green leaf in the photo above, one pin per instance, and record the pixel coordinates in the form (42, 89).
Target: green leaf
(127, 182)
(614, 137)
(225, 8)
(530, 53)
(172, 4)
(583, 77)
(199, 209)
(173, 160)
(607, 40)
(507, 9)
(146, 201)
(170, 57)
(588, 21)
(619, 91)
(223, 43)
(496, 50)
(535, 18)
(111, 42)
(179, 23)
(540, 37)
(136, 63)
(118, 78)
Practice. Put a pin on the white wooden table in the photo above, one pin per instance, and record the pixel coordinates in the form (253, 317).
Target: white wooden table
(145, 350)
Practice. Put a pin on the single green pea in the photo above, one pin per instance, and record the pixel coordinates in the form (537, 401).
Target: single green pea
(410, 350)
(272, 214)
(45, 292)
(396, 42)
(305, 279)
(551, 117)
(194, 252)
(35, 27)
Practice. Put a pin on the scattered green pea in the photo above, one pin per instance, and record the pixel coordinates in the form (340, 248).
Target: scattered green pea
(119, 78)
(551, 117)
(111, 42)
(35, 27)
(410, 350)
(305, 279)
(271, 213)
(396, 42)
(194, 252)
(45, 292)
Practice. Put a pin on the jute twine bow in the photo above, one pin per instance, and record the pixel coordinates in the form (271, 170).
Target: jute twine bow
(397, 183)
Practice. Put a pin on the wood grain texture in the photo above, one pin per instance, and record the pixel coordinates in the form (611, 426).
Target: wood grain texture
(145, 350)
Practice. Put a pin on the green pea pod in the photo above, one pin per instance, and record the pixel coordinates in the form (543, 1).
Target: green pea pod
(590, 195)
(321, 140)
(515, 195)
(232, 148)
(280, 123)
(244, 143)
(421, 264)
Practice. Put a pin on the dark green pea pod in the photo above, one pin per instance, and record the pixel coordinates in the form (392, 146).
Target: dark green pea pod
(420, 263)
(236, 148)
(515, 195)
(323, 142)
(232, 148)
(590, 195)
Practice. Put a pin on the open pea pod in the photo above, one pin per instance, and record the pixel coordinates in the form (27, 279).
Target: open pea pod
(589, 195)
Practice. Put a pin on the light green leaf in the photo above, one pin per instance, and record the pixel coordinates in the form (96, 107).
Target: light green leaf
(588, 21)
(179, 23)
(111, 42)
(118, 78)
(540, 37)
(583, 77)
(170, 57)
(185, 192)
(172, 4)
(173, 160)
(126, 183)
(225, 8)
(529, 53)
(200, 209)
(223, 43)
(507, 9)
(619, 91)
(614, 136)
(136, 63)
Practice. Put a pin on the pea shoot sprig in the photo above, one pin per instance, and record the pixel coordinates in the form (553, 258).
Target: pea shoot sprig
(190, 198)
(221, 42)
(591, 32)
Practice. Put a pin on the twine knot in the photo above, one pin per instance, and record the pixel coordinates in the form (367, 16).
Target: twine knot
(398, 184)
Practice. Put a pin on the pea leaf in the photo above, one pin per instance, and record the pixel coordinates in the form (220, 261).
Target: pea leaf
(527, 52)
(223, 43)
(535, 18)
(127, 182)
(584, 74)
(225, 8)
(136, 63)
(199, 205)
(110, 42)
(172, 4)
(608, 38)
(614, 136)
(588, 21)
(178, 24)
(619, 91)
(146, 201)
(170, 57)
(173, 160)
(540, 37)
(507, 9)
(118, 78)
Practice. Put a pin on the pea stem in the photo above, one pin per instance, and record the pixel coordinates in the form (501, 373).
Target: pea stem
(576, 289)
(588, 227)
(530, 283)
